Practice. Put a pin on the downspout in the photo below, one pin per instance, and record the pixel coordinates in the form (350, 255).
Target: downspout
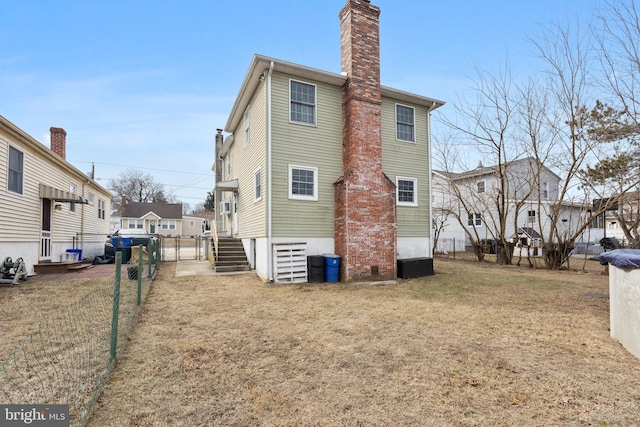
(269, 202)
(431, 248)
(82, 221)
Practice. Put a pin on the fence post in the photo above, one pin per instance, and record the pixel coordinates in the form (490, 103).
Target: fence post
(140, 271)
(116, 307)
(150, 250)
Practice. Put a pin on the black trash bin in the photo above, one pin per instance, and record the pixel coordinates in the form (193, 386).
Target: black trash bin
(126, 254)
(132, 272)
(315, 268)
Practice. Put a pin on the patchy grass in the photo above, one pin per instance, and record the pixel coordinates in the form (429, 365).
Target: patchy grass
(473, 345)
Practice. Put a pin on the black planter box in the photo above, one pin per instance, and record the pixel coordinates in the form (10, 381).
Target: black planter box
(415, 267)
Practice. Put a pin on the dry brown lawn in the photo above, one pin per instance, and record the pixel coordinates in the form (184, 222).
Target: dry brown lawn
(472, 345)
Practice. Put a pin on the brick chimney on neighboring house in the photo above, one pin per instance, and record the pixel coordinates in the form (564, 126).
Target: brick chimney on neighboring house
(365, 198)
(59, 142)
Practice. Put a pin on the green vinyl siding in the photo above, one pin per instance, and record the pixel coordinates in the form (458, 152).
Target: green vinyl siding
(313, 146)
(246, 160)
(409, 160)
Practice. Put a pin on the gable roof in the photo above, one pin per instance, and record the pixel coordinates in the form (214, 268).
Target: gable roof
(162, 210)
(41, 151)
(261, 64)
(490, 170)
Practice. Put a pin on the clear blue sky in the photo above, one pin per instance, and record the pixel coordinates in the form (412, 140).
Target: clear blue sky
(144, 84)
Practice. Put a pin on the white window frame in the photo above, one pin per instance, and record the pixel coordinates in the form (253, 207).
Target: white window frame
(72, 190)
(315, 103)
(257, 185)
(227, 162)
(531, 217)
(168, 224)
(19, 185)
(313, 197)
(474, 220)
(415, 191)
(91, 198)
(192, 223)
(246, 126)
(136, 223)
(545, 190)
(482, 183)
(101, 208)
(413, 125)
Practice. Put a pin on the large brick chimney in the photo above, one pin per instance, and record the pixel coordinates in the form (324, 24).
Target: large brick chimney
(59, 142)
(365, 200)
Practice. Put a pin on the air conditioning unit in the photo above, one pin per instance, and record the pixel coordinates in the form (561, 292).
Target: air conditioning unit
(225, 207)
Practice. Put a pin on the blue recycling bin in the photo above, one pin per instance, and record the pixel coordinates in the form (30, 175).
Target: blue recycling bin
(76, 251)
(331, 268)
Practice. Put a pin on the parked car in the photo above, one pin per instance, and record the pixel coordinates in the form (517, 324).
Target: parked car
(126, 237)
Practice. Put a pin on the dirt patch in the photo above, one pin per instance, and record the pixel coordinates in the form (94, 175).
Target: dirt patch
(473, 345)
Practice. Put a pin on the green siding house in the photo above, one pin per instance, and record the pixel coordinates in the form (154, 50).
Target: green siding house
(277, 168)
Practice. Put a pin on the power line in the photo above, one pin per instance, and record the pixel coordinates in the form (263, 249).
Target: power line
(139, 167)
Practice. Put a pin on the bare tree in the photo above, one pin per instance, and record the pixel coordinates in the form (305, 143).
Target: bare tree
(488, 124)
(137, 186)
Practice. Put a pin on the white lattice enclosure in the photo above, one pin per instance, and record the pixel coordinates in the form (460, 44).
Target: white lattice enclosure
(290, 262)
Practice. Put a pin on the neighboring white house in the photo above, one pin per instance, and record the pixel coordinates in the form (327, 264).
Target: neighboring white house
(47, 205)
(164, 219)
(466, 202)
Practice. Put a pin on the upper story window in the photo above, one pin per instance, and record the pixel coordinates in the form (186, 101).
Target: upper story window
(192, 224)
(303, 183)
(227, 161)
(531, 216)
(405, 123)
(406, 191)
(16, 168)
(303, 102)
(246, 127)
(545, 190)
(481, 186)
(257, 195)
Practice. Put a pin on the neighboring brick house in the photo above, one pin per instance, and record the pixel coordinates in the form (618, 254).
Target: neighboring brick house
(47, 205)
(164, 219)
(332, 160)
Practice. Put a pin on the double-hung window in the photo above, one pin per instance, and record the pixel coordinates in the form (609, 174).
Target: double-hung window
(303, 183)
(246, 127)
(405, 123)
(303, 102)
(257, 177)
(72, 205)
(168, 224)
(531, 216)
(481, 186)
(16, 170)
(407, 191)
(136, 223)
(101, 208)
(474, 220)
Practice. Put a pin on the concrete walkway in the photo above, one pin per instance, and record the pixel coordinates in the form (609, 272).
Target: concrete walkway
(194, 268)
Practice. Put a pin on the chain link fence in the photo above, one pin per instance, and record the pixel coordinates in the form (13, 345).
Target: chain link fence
(68, 357)
(185, 248)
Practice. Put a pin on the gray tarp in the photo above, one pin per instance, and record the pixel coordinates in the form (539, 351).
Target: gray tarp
(621, 258)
